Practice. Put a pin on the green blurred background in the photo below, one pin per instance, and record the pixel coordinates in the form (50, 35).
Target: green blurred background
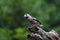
(13, 26)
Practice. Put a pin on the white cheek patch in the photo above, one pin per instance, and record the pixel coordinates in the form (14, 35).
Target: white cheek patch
(24, 15)
(28, 15)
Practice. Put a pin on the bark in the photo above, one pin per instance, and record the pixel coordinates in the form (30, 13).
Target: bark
(40, 34)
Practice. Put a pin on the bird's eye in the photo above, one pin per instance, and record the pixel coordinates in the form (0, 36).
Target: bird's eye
(33, 19)
(26, 17)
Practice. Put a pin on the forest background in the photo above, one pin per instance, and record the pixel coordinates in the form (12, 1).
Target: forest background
(13, 26)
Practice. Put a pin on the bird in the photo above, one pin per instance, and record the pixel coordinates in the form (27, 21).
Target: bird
(32, 20)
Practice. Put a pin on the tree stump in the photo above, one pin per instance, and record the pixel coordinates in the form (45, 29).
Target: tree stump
(38, 33)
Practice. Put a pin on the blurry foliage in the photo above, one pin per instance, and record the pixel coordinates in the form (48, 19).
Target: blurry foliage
(13, 25)
(21, 34)
(5, 34)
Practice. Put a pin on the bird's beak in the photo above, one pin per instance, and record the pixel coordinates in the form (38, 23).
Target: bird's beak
(24, 15)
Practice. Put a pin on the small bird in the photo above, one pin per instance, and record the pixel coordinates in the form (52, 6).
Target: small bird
(32, 20)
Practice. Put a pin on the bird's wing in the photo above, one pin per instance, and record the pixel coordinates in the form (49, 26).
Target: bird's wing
(36, 20)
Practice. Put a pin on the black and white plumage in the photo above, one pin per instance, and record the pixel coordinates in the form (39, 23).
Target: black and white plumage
(33, 20)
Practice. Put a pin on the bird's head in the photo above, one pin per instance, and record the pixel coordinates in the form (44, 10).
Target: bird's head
(27, 15)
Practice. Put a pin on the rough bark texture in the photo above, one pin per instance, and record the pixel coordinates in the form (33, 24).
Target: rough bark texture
(40, 34)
